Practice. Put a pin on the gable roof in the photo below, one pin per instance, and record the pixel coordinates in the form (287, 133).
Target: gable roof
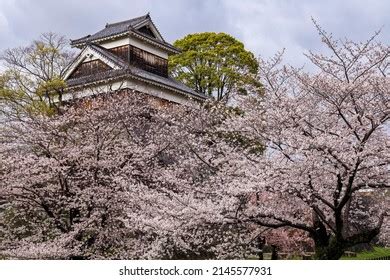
(91, 50)
(121, 69)
(127, 27)
(109, 55)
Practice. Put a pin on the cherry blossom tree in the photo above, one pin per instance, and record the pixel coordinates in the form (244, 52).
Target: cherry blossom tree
(122, 175)
(75, 180)
(111, 177)
(325, 170)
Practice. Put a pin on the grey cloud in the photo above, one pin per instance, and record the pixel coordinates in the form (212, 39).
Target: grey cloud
(264, 26)
(23, 20)
(267, 26)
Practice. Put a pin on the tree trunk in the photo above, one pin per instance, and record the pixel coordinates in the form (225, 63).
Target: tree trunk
(332, 248)
(333, 251)
(274, 252)
(326, 246)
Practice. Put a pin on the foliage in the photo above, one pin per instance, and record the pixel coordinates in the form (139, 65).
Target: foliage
(377, 252)
(109, 178)
(118, 176)
(325, 169)
(215, 64)
(32, 80)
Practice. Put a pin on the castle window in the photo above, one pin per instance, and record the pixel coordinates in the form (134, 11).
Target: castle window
(142, 59)
(148, 61)
(122, 52)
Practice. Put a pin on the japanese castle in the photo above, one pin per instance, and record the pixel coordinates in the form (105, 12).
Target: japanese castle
(126, 55)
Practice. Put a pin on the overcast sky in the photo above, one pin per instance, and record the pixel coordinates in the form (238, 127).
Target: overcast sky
(264, 26)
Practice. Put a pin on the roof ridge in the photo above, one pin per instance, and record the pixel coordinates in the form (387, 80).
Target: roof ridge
(128, 20)
(164, 43)
(81, 38)
(158, 31)
(106, 53)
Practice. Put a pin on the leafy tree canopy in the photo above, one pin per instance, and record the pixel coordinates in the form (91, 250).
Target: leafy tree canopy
(32, 80)
(214, 64)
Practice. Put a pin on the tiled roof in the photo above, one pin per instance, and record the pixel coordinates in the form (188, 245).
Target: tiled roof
(118, 28)
(169, 81)
(133, 72)
(111, 30)
(130, 71)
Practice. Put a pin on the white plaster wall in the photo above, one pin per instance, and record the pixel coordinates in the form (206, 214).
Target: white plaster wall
(115, 43)
(141, 86)
(157, 91)
(137, 43)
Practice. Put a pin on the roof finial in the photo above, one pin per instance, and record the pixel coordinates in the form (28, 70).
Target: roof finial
(148, 14)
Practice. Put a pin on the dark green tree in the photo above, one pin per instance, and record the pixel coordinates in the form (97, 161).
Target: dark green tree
(215, 64)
